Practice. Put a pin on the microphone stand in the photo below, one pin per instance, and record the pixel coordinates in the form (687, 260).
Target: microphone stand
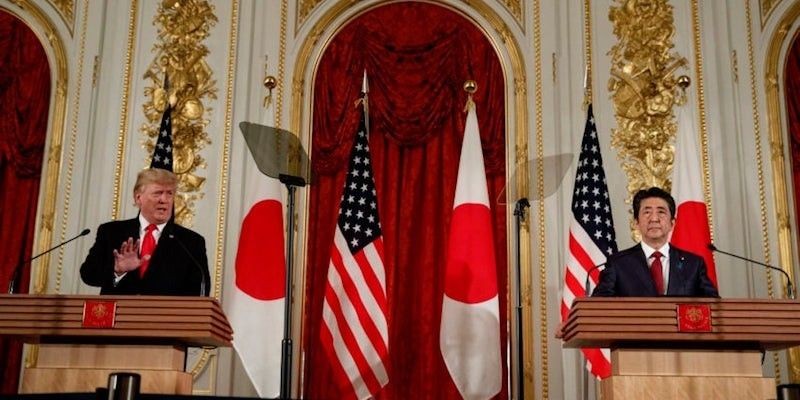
(194, 261)
(519, 213)
(292, 183)
(789, 286)
(15, 277)
(588, 284)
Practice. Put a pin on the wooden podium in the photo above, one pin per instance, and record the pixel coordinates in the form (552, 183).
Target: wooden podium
(653, 356)
(148, 335)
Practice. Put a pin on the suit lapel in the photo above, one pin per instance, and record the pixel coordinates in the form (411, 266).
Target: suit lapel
(162, 250)
(131, 229)
(643, 271)
(676, 270)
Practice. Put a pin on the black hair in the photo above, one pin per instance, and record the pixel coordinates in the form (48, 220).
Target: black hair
(649, 193)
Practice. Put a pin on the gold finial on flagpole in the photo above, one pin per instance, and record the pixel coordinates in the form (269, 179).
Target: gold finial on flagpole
(470, 86)
(683, 84)
(270, 82)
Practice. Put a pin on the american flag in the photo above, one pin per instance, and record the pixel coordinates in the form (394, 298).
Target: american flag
(591, 234)
(162, 152)
(355, 329)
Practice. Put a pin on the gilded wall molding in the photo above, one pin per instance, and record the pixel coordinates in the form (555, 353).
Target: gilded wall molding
(73, 129)
(304, 9)
(781, 186)
(587, 52)
(51, 41)
(122, 132)
(66, 9)
(222, 201)
(324, 28)
(765, 8)
(700, 90)
(644, 90)
(517, 10)
(183, 25)
(514, 7)
(540, 212)
(281, 64)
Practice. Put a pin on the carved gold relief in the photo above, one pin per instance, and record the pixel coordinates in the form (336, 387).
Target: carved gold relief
(180, 54)
(644, 89)
(515, 8)
(66, 8)
(766, 7)
(304, 9)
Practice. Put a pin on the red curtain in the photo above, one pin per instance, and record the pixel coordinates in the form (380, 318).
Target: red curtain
(24, 103)
(417, 57)
(792, 97)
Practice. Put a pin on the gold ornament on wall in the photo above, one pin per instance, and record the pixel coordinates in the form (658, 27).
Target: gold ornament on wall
(516, 8)
(304, 9)
(270, 83)
(66, 9)
(644, 90)
(183, 25)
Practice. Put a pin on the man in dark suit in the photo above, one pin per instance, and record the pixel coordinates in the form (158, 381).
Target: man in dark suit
(171, 261)
(654, 267)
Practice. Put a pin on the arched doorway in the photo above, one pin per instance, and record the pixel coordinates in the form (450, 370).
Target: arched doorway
(417, 56)
(25, 89)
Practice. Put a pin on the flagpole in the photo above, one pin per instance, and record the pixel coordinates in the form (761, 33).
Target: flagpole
(519, 213)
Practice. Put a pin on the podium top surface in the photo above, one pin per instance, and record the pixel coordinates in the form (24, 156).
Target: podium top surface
(616, 322)
(188, 321)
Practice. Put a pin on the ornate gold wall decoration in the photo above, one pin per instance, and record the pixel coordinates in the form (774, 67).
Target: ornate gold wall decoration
(122, 132)
(516, 9)
(66, 8)
(538, 101)
(70, 156)
(644, 90)
(180, 54)
(304, 9)
(765, 8)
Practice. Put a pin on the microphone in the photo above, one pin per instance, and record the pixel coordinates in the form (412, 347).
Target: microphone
(15, 277)
(194, 261)
(789, 286)
(589, 275)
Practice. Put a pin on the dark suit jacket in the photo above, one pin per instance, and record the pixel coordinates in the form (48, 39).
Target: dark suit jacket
(627, 274)
(175, 268)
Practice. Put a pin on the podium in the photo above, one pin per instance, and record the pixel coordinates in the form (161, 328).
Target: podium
(661, 351)
(148, 335)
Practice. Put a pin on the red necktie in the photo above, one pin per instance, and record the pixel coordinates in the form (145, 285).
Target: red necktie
(146, 251)
(657, 273)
